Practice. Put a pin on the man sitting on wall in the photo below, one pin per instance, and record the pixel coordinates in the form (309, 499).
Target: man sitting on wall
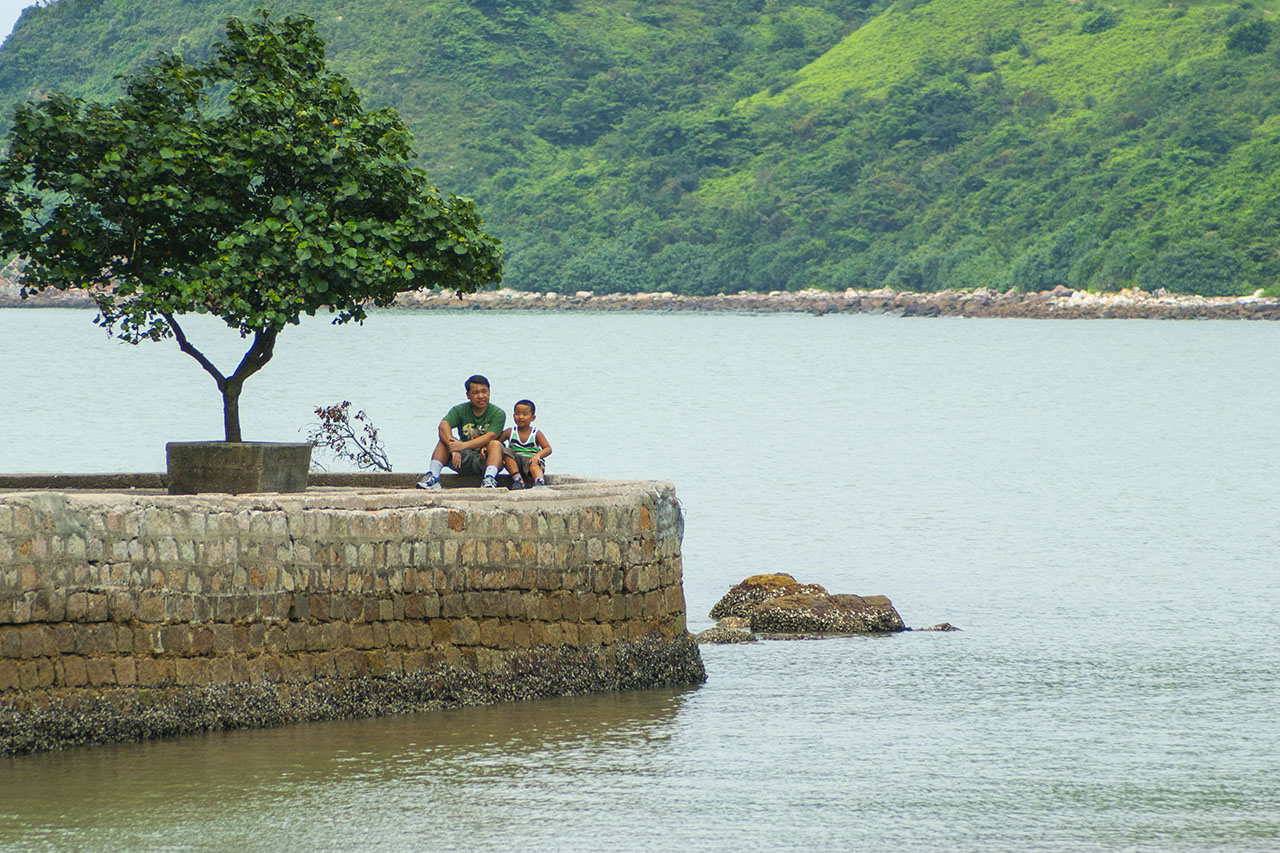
(477, 447)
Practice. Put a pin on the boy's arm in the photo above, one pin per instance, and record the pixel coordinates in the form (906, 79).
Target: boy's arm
(506, 434)
(545, 445)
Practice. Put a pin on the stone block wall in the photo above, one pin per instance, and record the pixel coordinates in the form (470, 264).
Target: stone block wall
(134, 614)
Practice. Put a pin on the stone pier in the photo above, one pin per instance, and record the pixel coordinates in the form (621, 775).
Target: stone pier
(129, 613)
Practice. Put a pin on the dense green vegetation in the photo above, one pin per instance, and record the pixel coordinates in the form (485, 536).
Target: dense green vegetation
(779, 144)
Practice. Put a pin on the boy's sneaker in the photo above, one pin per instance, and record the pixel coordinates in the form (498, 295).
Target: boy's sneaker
(489, 482)
(430, 481)
(517, 483)
(539, 482)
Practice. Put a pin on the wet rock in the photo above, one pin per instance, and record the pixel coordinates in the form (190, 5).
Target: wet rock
(822, 613)
(796, 636)
(941, 626)
(725, 635)
(777, 606)
(742, 599)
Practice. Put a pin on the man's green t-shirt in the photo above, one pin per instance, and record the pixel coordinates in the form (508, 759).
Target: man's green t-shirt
(464, 420)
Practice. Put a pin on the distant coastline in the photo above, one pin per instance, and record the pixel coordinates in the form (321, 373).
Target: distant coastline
(1059, 303)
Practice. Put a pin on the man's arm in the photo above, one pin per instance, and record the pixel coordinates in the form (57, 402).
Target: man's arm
(494, 421)
(453, 445)
(456, 444)
(478, 441)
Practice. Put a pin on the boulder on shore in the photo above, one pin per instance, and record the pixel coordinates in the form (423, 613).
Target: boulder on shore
(778, 604)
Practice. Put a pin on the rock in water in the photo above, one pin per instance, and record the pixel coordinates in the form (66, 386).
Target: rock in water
(720, 634)
(821, 613)
(743, 598)
(778, 604)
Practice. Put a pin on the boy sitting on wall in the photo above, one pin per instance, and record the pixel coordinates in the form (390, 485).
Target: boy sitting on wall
(477, 448)
(524, 446)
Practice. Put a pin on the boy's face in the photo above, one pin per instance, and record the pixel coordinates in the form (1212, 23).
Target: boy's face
(479, 396)
(522, 416)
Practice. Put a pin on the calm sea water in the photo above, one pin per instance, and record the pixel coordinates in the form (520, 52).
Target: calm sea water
(1094, 503)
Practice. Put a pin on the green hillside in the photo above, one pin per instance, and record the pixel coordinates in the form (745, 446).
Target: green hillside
(768, 144)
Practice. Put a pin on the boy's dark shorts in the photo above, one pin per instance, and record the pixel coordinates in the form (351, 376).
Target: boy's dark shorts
(472, 462)
(522, 462)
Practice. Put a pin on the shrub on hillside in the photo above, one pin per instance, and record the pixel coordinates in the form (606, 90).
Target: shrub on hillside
(1100, 22)
(1204, 265)
(1251, 37)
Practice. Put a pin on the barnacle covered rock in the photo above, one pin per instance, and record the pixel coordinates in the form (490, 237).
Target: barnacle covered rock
(720, 634)
(780, 607)
(822, 613)
(743, 598)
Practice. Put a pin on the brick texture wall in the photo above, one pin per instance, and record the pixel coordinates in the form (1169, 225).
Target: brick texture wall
(124, 608)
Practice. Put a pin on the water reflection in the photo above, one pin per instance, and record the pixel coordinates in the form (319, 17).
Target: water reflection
(210, 791)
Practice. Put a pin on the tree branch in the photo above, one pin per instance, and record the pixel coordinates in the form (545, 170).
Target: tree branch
(264, 344)
(185, 346)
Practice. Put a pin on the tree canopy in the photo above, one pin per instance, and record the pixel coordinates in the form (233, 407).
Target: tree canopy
(252, 186)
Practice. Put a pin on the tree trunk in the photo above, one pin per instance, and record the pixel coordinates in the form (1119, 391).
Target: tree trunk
(231, 410)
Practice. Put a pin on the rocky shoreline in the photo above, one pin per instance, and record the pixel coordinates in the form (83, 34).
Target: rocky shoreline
(1061, 303)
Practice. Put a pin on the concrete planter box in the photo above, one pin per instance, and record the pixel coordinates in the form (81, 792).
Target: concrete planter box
(235, 468)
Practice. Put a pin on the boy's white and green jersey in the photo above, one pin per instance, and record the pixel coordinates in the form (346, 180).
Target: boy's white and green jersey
(523, 448)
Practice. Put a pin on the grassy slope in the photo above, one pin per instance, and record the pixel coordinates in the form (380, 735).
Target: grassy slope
(1089, 79)
(1070, 65)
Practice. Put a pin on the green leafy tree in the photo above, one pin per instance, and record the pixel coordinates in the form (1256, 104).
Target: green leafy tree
(1205, 265)
(1251, 37)
(253, 187)
(1100, 22)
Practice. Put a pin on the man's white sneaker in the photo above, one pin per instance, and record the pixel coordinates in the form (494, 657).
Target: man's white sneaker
(430, 481)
